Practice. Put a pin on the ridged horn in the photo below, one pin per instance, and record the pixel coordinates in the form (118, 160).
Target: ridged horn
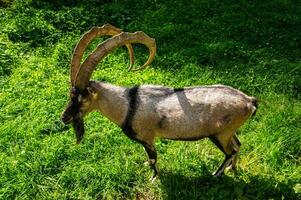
(86, 39)
(86, 69)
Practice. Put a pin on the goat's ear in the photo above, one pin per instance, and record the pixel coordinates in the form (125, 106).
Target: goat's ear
(92, 92)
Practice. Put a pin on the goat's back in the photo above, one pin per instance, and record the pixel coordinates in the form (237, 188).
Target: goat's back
(191, 113)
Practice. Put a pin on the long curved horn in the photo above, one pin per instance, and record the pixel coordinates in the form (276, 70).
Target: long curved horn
(86, 69)
(81, 46)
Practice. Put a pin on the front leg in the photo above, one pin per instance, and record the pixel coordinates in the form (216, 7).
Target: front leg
(152, 155)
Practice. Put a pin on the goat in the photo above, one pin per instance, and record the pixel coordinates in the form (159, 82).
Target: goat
(147, 112)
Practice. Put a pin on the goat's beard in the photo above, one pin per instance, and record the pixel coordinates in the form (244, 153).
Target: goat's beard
(79, 128)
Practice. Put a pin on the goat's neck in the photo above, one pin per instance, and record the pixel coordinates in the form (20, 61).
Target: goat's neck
(111, 101)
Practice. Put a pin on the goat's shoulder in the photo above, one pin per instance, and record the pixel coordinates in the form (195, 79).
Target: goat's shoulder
(155, 90)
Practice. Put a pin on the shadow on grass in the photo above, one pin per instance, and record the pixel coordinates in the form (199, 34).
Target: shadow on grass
(178, 186)
(252, 44)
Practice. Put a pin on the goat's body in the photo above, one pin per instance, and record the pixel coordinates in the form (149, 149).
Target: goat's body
(190, 113)
(147, 112)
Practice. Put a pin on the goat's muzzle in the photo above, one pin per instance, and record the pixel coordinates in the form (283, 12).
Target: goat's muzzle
(78, 125)
(73, 115)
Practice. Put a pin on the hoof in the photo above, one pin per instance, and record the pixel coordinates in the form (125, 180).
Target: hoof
(218, 174)
(231, 168)
(153, 178)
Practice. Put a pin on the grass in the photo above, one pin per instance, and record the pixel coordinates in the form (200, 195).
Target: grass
(251, 45)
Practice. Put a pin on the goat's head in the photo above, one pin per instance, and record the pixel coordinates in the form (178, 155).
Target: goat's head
(82, 96)
(81, 102)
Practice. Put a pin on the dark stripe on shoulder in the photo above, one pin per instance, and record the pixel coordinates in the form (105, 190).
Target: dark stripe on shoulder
(132, 94)
(178, 89)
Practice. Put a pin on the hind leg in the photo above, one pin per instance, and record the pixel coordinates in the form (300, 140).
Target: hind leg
(236, 145)
(224, 143)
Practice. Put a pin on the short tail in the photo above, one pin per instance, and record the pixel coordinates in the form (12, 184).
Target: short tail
(255, 104)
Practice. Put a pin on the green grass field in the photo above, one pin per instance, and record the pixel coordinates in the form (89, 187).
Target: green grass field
(254, 46)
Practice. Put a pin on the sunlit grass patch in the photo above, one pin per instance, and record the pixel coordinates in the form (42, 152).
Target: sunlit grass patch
(208, 42)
